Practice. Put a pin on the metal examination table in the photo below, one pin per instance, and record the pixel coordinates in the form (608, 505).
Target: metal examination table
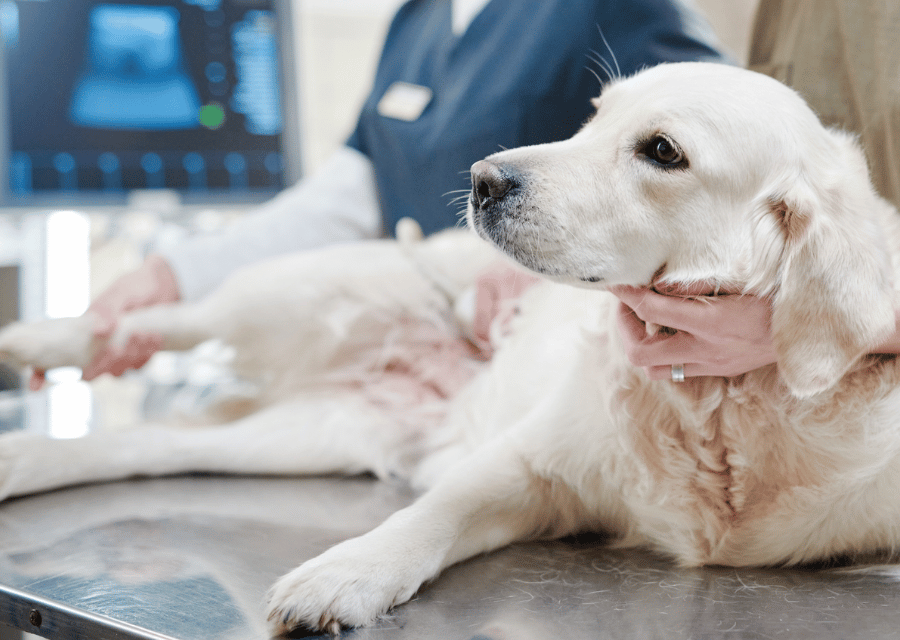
(191, 558)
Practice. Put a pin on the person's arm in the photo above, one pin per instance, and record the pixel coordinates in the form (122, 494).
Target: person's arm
(338, 203)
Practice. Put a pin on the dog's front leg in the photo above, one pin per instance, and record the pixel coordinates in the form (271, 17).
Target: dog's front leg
(487, 501)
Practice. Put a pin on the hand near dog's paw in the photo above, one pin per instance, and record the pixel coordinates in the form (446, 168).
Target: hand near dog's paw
(83, 341)
(117, 359)
(344, 587)
(106, 358)
(152, 284)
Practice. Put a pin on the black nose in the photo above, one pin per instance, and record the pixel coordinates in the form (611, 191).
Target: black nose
(490, 183)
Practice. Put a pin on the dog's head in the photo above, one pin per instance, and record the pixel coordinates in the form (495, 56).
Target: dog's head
(697, 172)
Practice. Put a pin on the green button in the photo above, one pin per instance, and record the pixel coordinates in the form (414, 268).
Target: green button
(212, 115)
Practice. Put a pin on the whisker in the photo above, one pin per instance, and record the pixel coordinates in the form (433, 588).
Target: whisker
(595, 74)
(611, 52)
(444, 195)
(600, 62)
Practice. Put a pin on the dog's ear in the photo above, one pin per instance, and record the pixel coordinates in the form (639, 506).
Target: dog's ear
(834, 301)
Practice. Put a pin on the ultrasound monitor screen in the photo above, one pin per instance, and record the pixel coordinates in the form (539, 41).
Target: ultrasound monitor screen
(103, 98)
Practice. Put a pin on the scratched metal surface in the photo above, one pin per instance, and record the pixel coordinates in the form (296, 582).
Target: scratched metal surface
(191, 558)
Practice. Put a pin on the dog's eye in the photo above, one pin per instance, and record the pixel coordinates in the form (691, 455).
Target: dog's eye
(663, 151)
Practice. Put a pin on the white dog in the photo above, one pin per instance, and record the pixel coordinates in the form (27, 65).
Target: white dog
(687, 172)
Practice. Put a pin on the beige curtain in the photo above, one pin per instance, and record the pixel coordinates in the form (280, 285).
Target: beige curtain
(844, 58)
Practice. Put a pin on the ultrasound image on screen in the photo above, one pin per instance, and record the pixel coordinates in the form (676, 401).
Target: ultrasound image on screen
(134, 75)
(111, 97)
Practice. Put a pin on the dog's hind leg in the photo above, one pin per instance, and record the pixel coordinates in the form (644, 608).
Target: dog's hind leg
(337, 433)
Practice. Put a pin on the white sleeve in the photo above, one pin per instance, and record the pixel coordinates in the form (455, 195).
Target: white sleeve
(338, 203)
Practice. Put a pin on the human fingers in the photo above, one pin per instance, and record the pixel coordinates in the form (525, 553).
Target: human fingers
(101, 364)
(661, 350)
(700, 355)
(104, 323)
(665, 372)
(725, 369)
(37, 379)
(628, 294)
(645, 350)
(139, 349)
(722, 318)
(701, 358)
(632, 329)
(117, 360)
(665, 311)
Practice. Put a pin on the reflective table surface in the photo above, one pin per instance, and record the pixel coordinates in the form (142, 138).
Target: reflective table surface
(191, 558)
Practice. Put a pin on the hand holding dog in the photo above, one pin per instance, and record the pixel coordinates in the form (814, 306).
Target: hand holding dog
(151, 284)
(724, 335)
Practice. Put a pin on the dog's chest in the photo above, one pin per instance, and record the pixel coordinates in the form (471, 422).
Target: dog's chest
(718, 473)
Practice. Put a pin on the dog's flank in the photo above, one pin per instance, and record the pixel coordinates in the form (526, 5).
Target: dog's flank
(688, 173)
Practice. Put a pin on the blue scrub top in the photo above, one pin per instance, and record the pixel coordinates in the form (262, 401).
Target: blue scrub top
(519, 75)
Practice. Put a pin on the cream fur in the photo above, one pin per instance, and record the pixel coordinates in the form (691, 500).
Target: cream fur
(363, 365)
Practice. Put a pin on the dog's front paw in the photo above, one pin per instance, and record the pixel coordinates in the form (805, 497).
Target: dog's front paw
(349, 585)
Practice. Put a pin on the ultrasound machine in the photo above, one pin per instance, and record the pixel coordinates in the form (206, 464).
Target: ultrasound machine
(110, 106)
(104, 98)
